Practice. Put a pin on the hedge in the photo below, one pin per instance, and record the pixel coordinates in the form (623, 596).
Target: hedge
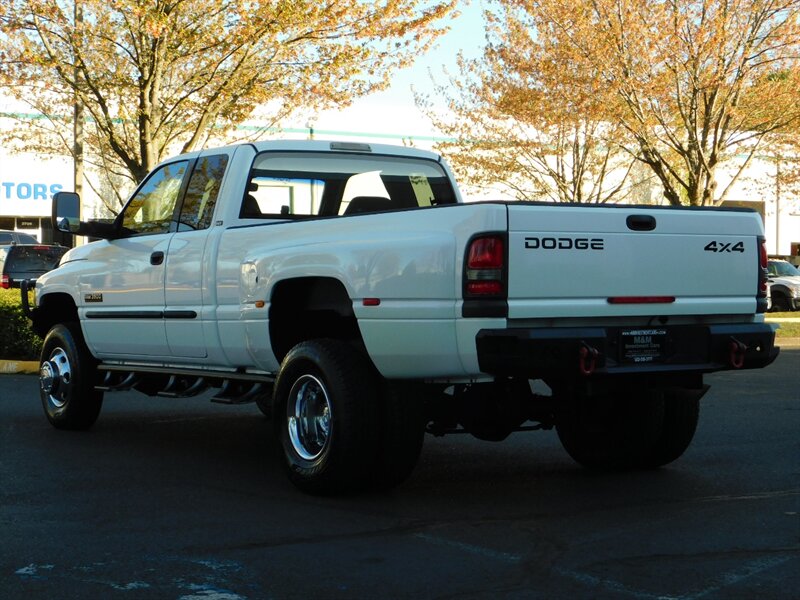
(17, 341)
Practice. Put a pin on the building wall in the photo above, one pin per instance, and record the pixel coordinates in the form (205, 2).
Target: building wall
(778, 203)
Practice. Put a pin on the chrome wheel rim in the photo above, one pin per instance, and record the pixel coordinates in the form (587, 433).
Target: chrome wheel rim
(308, 413)
(55, 378)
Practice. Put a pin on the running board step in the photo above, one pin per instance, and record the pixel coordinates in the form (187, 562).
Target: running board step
(117, 382)
(179, 387)
(239, 392)
(237, 387)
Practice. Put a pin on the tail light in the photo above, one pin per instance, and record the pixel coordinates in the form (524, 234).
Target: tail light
(485, 271)
(763, 263)
(5, 283)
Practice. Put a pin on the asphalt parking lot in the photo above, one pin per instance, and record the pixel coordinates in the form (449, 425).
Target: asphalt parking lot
(185, 499)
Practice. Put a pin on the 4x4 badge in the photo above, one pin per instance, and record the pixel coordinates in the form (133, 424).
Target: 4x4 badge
(723, 247)
(95, 297)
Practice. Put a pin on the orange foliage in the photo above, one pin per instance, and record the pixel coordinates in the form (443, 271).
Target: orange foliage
(680, 85)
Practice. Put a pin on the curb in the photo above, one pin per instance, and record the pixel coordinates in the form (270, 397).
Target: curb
(19, 366)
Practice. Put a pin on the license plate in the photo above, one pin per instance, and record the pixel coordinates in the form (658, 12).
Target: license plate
(643, 345)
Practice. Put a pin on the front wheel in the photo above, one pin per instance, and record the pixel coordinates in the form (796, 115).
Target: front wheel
(325, 416)
(66, 379)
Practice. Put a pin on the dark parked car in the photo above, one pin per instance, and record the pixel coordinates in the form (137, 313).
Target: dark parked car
(27, 261)
(16, 237)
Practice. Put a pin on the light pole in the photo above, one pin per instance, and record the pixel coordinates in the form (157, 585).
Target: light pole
(310, 125)
(778, 203)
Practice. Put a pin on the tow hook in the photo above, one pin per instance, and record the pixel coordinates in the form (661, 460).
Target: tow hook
(737, 351)
(587, 362)
(24, 287)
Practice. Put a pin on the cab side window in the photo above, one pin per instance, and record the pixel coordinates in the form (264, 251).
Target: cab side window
(202, 192)
(152, 208)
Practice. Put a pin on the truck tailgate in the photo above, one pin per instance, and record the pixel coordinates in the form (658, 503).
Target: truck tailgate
(596, 261)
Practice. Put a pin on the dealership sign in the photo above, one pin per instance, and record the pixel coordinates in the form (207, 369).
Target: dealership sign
(28, 182)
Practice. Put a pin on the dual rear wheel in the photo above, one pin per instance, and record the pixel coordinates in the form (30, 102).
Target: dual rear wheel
(340, 427)
(631, 429)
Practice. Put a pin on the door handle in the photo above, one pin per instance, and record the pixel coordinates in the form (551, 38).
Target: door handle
(156, 258)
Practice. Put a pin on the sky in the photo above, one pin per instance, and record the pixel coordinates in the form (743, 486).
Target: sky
(392, 113)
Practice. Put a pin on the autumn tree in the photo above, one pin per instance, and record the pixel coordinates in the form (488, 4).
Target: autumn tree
(515, 120)
(163, 76)
(696, 81)
(683, 86)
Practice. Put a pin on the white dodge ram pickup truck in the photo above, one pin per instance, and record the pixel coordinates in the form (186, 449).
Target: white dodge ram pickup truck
(348, 290)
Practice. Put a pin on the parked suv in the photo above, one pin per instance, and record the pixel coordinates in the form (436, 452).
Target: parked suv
(784, 280)
(16, 237)
(27, 261)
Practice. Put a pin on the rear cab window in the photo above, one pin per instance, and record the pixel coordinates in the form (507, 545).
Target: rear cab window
(324, 184)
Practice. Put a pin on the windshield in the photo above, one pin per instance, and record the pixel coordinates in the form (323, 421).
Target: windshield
(783, 269)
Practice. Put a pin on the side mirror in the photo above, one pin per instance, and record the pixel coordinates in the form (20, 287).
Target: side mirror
(67, 218)
(66, 212)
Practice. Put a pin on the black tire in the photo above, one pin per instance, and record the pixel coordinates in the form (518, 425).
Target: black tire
(617, 431)
(67, 375)
(402, 426)
(681, 413)
(780, 303)
(332, 386)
